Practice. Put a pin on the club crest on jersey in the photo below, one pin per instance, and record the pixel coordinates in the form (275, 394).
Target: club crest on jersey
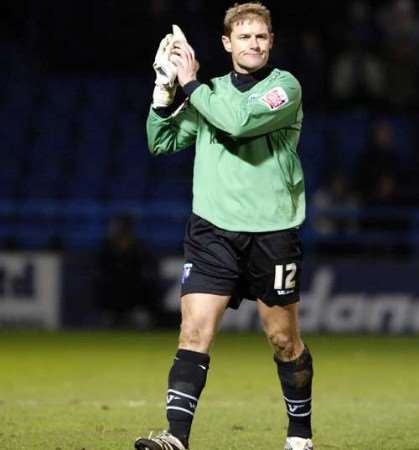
(186, 271)
(253, 98)
(275, 98)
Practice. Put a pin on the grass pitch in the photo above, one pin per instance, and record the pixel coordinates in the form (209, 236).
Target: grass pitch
(99, 390)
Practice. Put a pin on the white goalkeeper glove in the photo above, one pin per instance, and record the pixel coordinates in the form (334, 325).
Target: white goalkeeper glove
(178, 35)
(163, 96)
(164, 68)
(165, 85)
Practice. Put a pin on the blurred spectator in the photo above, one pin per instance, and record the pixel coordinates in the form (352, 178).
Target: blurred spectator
(380, 157)
(380, 179)
(310, 69)
(128, 276)
(358, 25)
(399, 21)
(367, 57)
(361, 24)
(357, 78)
(384, 216)
(335, 218)
(400, 28)
(384, 191)
(411, 188)
(356, 72)
(334, 204)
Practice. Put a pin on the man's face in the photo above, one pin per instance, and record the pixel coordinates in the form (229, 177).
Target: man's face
(249, 44)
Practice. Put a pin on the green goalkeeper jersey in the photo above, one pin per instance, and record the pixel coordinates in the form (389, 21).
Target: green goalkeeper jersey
(247, 173)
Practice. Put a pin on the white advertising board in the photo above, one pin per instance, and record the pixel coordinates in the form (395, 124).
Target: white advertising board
(30, 290)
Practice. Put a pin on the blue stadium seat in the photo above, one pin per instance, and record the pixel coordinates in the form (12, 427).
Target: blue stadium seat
(36, 223)
(91, 159)
(118, 207)
(9, 162)
(93, 124)
(164, 225)
(13, 129)
(178, 162)
(8, 188)
(170, 190)
(85, 187)
(62, 93)
(88, 178)
(10, 170)
(48, 155)
(36, 186)
(8, 211)
(101, 95)
(169, 208)
(314, 149)
(126, 187)
(132, 158)
(136, 94)
(350, 132)
(50, 122)
(404, 129)
(83, 223)
(19, 95)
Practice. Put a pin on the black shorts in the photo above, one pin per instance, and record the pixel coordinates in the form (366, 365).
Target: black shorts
(251, 266)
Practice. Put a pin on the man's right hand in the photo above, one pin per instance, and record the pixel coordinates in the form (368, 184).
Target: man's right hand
(165, 84)
(183, 57)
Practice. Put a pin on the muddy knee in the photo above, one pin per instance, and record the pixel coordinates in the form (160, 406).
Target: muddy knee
(284, 346)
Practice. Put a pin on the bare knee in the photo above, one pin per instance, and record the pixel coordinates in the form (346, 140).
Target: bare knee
(286, 346)
(201, 315)
(194, 337)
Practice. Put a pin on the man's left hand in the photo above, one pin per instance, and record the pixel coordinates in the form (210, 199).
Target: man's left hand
(183, 57)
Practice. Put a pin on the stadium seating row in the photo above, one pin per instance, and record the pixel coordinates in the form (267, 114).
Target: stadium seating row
(81, 141)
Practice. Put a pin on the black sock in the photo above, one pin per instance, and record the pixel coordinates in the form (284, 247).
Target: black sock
(296, 378)
(187, 378)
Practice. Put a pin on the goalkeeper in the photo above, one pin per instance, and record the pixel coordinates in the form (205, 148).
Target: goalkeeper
(242, 239)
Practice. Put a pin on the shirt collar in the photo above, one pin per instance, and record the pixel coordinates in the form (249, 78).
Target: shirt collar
(247, 80)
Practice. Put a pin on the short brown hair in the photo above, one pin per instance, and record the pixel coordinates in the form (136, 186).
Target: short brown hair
(239, 13)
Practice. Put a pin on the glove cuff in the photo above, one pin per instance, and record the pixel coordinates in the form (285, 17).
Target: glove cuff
(163, 96)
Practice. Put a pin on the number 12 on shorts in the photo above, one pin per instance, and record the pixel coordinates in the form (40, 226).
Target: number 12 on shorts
(285, 276)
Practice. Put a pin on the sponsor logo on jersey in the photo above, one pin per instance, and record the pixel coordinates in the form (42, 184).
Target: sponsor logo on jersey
(275, 98)
(186, 271)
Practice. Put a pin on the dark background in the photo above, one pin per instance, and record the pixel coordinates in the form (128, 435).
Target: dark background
(76, 80)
